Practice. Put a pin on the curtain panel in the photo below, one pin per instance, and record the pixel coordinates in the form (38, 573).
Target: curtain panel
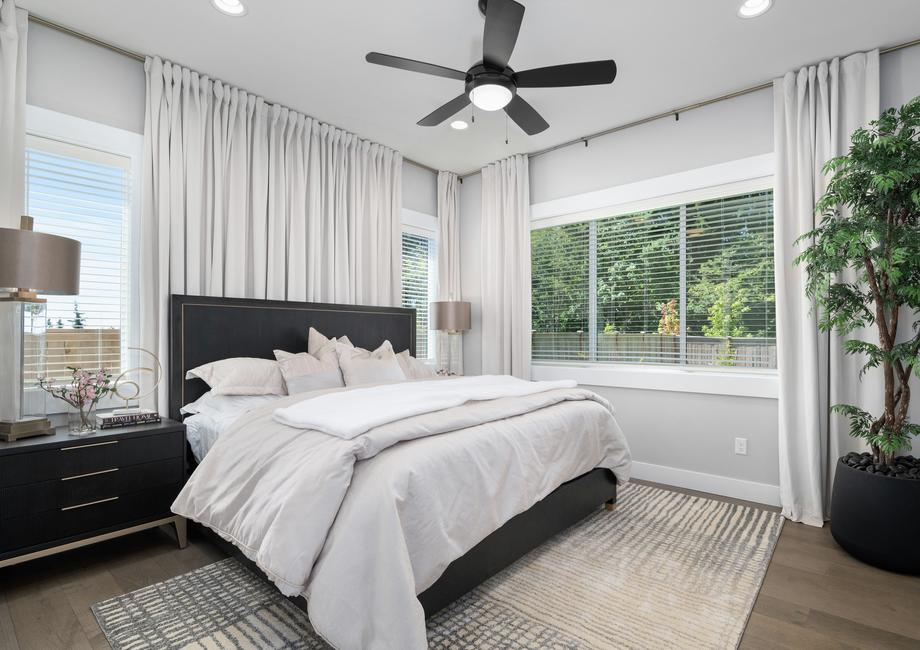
(244, 199)
(14, 29)
(506, 268)
(816, 110)
(449, 347)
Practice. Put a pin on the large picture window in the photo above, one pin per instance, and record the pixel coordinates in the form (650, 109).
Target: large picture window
(84, 194)
(687, 285)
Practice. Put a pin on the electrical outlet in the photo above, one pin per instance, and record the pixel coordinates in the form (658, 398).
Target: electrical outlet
(741, 446)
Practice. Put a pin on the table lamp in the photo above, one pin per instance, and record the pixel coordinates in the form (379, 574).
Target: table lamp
(453, 317)
(31, 263)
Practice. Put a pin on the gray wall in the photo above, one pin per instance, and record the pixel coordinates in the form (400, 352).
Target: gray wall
(900, 82)
(420, 189)
(68, 75)
(680, 430)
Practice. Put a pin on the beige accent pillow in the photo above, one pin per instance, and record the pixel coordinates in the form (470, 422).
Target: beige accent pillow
(304, 372)
(360, 366)
(317, 341)
(241, 376)
(413, 368)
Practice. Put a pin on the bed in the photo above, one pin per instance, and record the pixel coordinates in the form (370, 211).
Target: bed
(208, 329)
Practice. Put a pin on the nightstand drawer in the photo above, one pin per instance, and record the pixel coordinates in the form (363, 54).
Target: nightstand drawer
(91, 516)
(87, 456)
(22, 500)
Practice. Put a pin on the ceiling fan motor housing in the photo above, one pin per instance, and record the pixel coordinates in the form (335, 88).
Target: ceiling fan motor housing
(481, 75)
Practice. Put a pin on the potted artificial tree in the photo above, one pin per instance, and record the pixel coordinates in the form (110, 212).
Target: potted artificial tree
(863, 270)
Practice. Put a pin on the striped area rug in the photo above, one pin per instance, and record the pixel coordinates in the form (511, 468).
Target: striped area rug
(665, 570)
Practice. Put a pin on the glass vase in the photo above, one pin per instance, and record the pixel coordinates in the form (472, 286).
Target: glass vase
(82, 420)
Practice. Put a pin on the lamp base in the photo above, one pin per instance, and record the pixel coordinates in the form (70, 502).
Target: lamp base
(22, 295)
(25, 428)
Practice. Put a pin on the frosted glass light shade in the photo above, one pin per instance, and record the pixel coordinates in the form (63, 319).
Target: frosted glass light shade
(490, 97)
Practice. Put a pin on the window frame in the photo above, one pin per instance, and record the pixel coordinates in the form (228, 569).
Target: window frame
(73, 131)
(703, 184)
(424, 225)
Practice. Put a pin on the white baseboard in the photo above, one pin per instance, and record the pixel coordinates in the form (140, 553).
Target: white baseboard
(722, 485)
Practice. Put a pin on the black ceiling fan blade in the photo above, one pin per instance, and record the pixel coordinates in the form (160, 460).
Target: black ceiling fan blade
(414, 66)
(503, 22)
(450, 108)
(526, 116)
(590, 73)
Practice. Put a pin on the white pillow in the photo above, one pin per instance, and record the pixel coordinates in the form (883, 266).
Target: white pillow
(241, 376)
(317, 341)
(219, 405)
(413, 368)
(304, 372)
(362, 367)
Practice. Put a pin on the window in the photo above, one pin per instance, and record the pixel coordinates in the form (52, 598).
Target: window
(687, 285)
(419, 275)
(85, 194)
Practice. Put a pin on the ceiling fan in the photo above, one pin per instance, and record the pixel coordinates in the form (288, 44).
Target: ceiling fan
(491, 84)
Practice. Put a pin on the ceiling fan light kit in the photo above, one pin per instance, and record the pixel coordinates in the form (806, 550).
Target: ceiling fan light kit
(491, 84)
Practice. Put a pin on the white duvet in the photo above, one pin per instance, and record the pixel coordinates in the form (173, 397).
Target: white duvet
(360, 527)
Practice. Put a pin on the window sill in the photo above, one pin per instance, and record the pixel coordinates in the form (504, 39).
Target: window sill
(736, 383)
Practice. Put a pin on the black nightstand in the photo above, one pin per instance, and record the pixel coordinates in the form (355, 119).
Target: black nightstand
(60, 492)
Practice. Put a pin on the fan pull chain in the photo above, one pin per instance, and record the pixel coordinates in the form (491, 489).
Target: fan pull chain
(506, 128)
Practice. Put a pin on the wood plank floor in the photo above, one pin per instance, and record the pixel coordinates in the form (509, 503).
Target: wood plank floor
(814, 595)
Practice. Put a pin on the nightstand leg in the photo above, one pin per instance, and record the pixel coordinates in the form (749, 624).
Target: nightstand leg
(610, 506)
(181, 531)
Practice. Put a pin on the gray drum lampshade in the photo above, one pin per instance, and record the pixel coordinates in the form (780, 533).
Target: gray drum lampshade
(39, 262)
(452, 316)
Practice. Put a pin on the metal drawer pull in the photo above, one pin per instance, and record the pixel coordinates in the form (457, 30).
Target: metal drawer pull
(91, 503)
(105, 471)
(95, 444)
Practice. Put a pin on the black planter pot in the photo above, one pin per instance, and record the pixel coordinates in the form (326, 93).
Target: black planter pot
(876, 518)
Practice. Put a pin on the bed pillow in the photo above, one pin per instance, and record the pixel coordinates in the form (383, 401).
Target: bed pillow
(360, 366)
(304, 372)
(214, 404)
(241, 376)
(413, 368)
(316, 341)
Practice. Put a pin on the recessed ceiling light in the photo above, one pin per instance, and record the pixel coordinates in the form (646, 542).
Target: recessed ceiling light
(754, 8)
(458, 124)
(230, 7)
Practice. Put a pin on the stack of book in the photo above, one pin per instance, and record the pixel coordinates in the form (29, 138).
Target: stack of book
(127, 418)
(11, 431)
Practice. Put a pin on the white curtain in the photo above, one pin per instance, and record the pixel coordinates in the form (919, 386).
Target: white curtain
(14, 26)
(506, 268)
(816, 109)
(243, 199)
(449, 346)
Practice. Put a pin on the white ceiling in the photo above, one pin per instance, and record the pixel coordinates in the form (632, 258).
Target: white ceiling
(309, 55)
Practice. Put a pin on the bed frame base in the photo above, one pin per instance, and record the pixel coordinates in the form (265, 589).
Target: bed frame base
(566, 505)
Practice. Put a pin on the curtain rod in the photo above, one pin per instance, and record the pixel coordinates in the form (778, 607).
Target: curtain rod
(137, 56)
(674, 112)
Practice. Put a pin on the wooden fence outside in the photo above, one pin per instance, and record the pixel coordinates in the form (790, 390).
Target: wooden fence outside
(655, 348)
(78, 348)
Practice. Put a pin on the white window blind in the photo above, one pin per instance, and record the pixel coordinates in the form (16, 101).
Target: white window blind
(688, 285)
(418, 276)
(84, 194)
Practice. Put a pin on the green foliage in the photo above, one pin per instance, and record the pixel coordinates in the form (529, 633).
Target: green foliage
(669, 323)
(77, 322)
(863, 264)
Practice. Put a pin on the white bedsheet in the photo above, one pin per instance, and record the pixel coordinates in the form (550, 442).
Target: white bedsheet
(361, 538)
(210, 415)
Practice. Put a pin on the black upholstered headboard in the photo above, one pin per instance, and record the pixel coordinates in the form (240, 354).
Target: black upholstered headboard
(202, 330)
